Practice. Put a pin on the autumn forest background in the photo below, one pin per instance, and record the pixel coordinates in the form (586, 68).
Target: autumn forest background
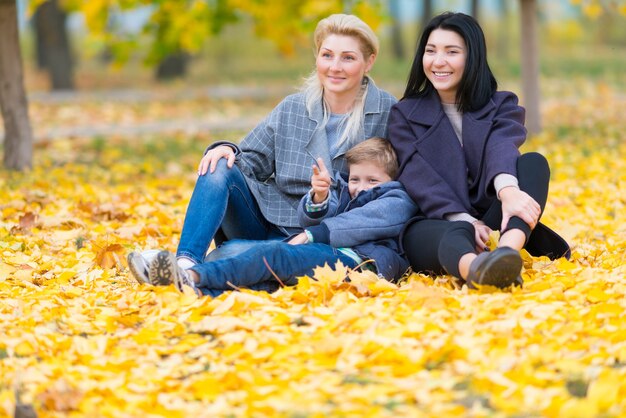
(117, 133)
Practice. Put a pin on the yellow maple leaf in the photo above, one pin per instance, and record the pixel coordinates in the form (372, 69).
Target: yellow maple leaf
(110, 256)
(326, 275)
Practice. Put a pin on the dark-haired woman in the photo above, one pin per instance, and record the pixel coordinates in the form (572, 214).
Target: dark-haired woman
(457, 141)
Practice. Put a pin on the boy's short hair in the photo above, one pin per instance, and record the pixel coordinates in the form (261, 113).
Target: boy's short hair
(375, 150)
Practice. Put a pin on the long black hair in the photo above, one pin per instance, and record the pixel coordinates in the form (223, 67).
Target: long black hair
(477, 84)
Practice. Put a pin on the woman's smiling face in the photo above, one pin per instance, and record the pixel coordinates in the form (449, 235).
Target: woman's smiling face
(444, 62)
(341, 65)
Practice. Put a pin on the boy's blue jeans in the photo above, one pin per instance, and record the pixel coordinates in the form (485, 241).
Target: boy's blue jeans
(246, 267)
(223, 208)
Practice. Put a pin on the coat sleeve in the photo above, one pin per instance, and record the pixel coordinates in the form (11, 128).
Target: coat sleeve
(507, 135)
(309, 218)
(378, 219)
(258, 148)
(426, 187)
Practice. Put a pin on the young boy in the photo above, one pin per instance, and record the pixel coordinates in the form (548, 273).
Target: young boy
(357, 222)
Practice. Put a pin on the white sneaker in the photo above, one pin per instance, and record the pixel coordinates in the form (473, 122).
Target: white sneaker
(164, 271)
(183, 278)
(138, 266)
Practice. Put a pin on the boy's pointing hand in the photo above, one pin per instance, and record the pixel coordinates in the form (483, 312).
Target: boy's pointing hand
(320, 181)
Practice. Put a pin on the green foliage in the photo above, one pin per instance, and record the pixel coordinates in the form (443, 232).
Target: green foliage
(186, 25)
(596, 8)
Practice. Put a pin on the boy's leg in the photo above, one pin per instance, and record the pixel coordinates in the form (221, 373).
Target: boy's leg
(220, 200)
(249, 269)
(231, 248)
(267, 286)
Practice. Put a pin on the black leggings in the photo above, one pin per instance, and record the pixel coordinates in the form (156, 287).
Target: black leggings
(436, 246)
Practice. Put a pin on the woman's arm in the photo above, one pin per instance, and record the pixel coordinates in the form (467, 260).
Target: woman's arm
(256, 153)
(501, 154)
(506, 136)
(258, 156)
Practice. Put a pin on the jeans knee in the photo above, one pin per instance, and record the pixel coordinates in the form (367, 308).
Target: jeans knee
(221, 176)
(229, 249)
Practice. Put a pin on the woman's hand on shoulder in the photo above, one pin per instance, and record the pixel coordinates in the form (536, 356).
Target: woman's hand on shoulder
(516, 202)
(212, 157)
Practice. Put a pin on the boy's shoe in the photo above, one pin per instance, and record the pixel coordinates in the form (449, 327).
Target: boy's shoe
(500, 268)
(138, 266)
(164, 270)
(183, 278)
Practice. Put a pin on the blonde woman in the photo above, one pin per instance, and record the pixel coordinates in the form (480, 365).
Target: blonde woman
(251, 191)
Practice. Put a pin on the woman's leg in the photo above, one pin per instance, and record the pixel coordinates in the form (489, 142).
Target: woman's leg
(437, 246)
(258, 265)
(440, 246)
(220, 200)
(533, 176)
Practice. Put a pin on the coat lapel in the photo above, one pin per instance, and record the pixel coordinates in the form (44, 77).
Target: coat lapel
(317, 145)
(438, 144)
(427, 111)
(476, 128)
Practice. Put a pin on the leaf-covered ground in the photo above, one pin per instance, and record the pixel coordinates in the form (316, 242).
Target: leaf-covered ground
(79, 337)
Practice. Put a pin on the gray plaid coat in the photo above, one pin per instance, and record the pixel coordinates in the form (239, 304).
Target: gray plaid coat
(277, 155)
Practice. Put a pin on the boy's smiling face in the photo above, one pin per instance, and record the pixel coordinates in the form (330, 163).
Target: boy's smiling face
(364, 176)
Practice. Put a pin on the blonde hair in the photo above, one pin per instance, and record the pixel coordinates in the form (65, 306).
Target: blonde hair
(346, 25)
(377, 151)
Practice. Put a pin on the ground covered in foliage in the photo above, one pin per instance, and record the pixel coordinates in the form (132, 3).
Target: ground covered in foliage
(79, 337)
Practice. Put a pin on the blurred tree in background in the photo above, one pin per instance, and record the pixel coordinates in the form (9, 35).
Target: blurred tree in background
(52, 45)
(179, 28)
(174, 30)
(244, 41)
(13, 105)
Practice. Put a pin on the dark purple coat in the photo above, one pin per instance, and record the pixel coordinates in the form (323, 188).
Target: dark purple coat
(441, 176)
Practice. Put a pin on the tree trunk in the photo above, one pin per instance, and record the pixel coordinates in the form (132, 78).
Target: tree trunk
(475, 9)
(18, 137)
(502, 41)
(530, 65)
(427, 13)
(40, 49)
(173, 66)
(396, 30)
(53, 46)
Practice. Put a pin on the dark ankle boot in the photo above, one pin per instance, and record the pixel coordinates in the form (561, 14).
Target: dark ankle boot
(500, 268)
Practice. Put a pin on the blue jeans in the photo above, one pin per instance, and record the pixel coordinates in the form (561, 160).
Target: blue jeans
(246, 268)
(223, 208)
